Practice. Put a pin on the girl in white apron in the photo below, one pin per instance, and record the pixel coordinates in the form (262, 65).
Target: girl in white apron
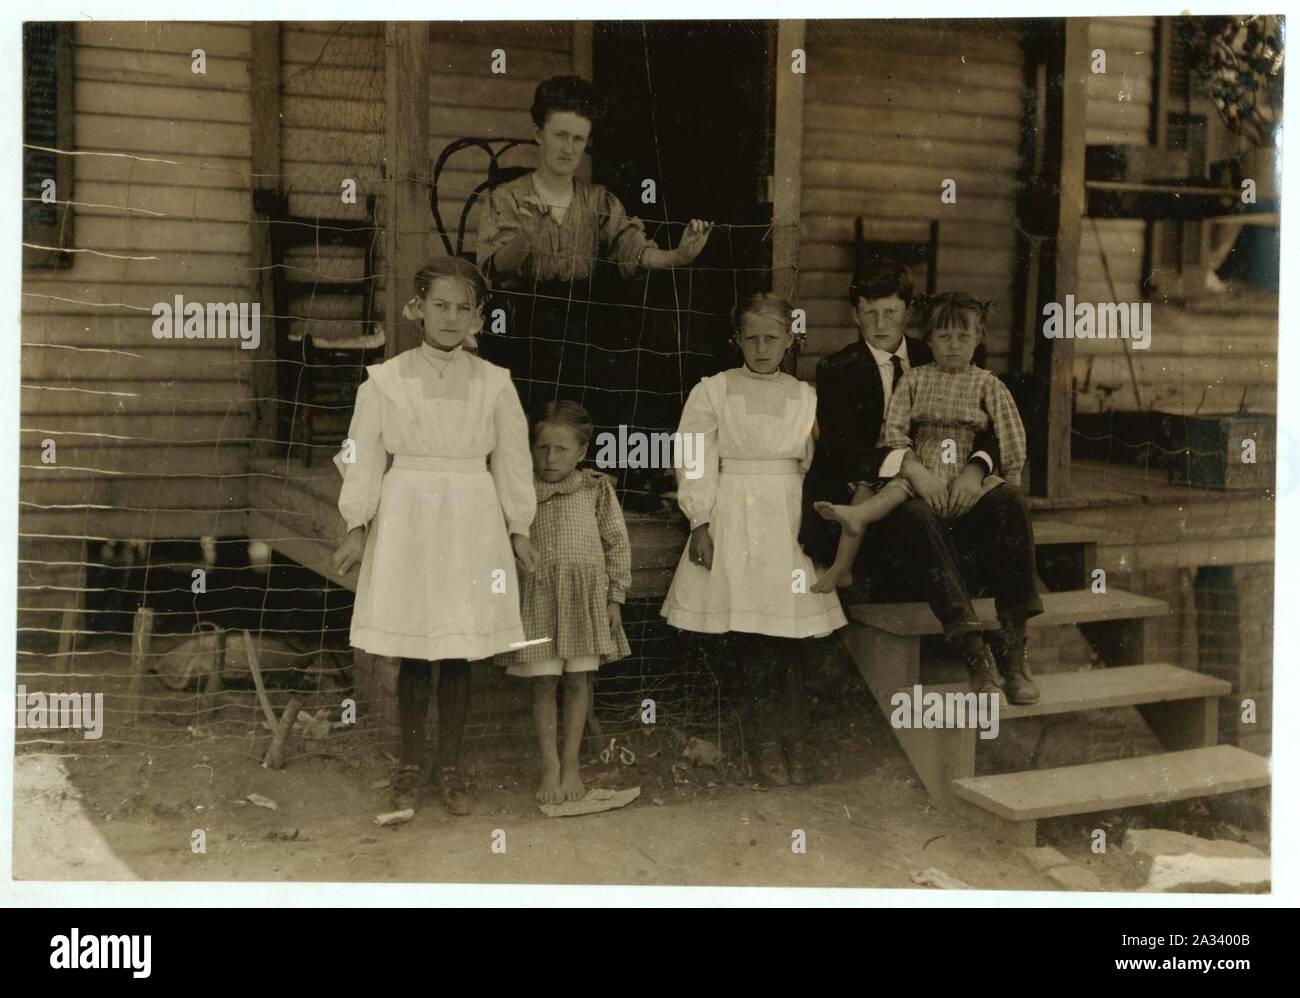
(437, 533)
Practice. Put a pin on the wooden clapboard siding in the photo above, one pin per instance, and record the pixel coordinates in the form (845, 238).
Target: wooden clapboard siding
(332, 107)
(333, 115)
(1119, 113)
(154, 428)
(891, 110)
(1206, 361)
(468, 99)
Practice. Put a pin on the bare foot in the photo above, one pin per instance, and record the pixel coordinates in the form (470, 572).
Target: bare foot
(843, 515)
(833, 578)
(571, 784)
(549, 791)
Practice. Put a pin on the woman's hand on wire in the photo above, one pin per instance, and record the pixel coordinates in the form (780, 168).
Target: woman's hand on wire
(525, 553)
(693, 240)
(348, 554)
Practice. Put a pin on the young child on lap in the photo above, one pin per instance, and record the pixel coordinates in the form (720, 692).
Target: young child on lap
(936, 411)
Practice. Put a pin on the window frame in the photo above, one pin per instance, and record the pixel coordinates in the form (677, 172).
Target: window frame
(58, 234)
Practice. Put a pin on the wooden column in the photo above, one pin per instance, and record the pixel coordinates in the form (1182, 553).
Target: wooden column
(1061, 205)
(1028, 198)
(788, 160)
(1158, 136)
(583, 48)
(265, 164)
(407, 222)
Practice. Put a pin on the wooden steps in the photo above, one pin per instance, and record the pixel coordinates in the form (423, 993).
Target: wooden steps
(1024, 798)
(1100, 689)
(1074, 607)
(1179, 705)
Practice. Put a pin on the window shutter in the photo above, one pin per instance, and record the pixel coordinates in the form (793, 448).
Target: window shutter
(47, 124)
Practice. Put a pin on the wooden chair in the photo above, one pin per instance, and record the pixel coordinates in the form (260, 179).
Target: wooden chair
(319, 375)
(908, 252)
(497, 175)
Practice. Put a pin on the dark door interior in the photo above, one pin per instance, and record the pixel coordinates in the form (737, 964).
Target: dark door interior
(689, 105)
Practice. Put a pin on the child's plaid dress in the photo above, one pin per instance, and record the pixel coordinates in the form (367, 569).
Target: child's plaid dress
(584, 561)
(932, 406)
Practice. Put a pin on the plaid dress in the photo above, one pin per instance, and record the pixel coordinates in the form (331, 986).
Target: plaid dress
(931, 406)
(584, 561)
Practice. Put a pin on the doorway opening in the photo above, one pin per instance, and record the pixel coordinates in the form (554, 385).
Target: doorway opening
(689, 106)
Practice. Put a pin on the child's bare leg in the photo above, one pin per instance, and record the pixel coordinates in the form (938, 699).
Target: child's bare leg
(854, 519)
(840, 572)
(577, 691)
(548, 790)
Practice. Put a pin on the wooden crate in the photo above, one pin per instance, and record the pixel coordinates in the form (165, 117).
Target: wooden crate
(1207, 451)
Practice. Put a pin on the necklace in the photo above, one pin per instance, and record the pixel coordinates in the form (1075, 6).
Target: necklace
(449, 355)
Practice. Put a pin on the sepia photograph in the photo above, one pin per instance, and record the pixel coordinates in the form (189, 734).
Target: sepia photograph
(801, 453)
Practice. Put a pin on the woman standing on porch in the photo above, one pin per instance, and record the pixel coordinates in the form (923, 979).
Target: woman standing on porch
(540, 240)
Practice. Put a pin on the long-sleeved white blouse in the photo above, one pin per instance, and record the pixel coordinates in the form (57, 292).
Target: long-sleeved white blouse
(433, 404)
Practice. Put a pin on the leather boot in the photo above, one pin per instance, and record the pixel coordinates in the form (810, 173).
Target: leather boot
(404, 789)
(983, 673)
(770, 763)
(1011, 651)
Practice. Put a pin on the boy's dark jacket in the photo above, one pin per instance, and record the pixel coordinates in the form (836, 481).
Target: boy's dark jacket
(850, 412)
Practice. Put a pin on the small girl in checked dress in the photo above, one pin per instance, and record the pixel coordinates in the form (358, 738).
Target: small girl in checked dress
(571, 602)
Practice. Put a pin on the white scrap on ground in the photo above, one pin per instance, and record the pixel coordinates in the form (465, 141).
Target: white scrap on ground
(596, 800)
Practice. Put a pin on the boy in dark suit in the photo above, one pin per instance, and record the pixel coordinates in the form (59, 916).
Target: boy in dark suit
(909, 555)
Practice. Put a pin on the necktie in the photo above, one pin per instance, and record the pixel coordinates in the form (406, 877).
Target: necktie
(898, 371)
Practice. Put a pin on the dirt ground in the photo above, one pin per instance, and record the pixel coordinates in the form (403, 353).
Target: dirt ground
(121, 808)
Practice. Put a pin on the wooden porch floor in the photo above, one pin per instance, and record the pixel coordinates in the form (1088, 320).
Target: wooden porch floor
(1148, 522)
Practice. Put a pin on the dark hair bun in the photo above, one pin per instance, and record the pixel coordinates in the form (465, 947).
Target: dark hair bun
(563, 93)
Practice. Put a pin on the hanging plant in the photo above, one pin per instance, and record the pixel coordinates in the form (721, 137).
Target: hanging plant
(1240, 61)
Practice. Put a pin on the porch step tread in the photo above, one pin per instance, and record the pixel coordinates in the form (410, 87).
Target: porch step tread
(1053, 532)
(1098, 689)
(1076, 606)
(1101, 786)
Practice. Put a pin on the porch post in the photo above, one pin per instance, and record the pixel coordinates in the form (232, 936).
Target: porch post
(407, 223)
(1062, 201)
(265, 160)
(788, 161)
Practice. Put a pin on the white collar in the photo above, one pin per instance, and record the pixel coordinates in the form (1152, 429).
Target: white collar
(441, 357)
(883, 358)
